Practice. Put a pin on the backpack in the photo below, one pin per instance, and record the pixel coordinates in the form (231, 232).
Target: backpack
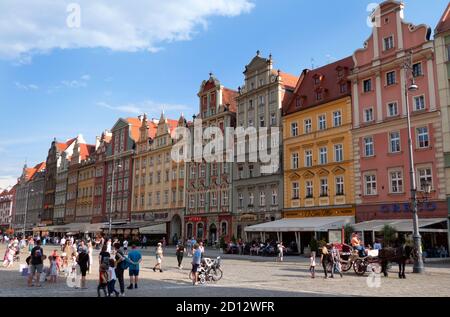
(125, 264)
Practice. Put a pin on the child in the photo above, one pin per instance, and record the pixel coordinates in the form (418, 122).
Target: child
(312, 265)
(74, 262)
(103, 281)
(281, 248)
(112, 279)
(53, 269)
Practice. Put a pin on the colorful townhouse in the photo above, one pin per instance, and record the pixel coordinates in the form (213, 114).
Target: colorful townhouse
(35, 196)
(257, 196)
(209, 210)
(6, 208)
(380, 90)
(158, 191)
(318, 153)
(84, 210)
(442, 58)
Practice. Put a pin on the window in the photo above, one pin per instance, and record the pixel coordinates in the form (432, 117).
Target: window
(158, 177)
(422, 137)
(338, 152)
(323, 155)
(368, 115)
(323, 187)
(295, 190)
(396, 182)
(322, 122)
(394, 142)
(214, 169)
(425, 177)
(448, 52)
(174, 196)
(307, 125)
(309, 189)
(308, 158)
(241, 200)
(191, 201)
(250, 122)
(318, 95)
(343, 88)
(417, 70)
(337, 119)
(150, 178)
(370, 187)
(316, 80)
(294, 129)
(182, 173)
(213, 199)
(339, 181)
(367, 85)
(250, 171)
(251, 199)
(392, 109)
(225, 198)
(261, 121)
(273, 119)
(158, 198)
(224, 228)
(149, 201)
(274, 197)
(262, 198)
(273, 96)
(294, 161)
(241, 171)
(390, 78)
(202, 200)
(368, 146)
(202, 170)
(388, 43)
(419, 103)
(192, 171)
(142, 200)
(298, 102)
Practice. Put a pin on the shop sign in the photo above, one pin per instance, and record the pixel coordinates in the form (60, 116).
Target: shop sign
(161, 216)
(194, 219)
(406, 207)
(248, 217)
(320, 213)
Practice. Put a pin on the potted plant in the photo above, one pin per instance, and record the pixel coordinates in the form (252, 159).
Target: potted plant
(348, 230)
(389, 235)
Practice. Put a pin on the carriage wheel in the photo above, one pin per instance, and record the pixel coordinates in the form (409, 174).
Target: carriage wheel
(360, 267)
(346, 265)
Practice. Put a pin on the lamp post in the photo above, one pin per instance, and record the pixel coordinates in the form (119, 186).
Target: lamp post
(26, 208)
(112, 196)
(418, 261)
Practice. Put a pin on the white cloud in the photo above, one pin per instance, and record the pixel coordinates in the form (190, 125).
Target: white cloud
(77, 83)
(86, 77)
(148, 106)
(7, 181)
(26, 86)
(29, 27)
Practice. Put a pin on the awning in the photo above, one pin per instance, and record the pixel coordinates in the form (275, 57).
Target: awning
(154, 229)
(302, 224)
(93, 227)
(131, 225)
(402, 225)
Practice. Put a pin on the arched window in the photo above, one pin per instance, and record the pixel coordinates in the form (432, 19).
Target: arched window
(224, 228)
(189, 231)
(200, 231)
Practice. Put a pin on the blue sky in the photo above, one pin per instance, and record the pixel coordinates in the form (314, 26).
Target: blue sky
(54, 86)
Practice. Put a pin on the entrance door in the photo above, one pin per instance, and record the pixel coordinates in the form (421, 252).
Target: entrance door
(212, 234)
(175, 229)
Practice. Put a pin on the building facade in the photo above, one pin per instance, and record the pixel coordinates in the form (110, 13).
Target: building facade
(442, 55)
(209, 184)
(257, 195)
(380, 137)
(84, 211)
(36, 196)
(318, 160)
(99, 200)
(6, 208)
(158, 191)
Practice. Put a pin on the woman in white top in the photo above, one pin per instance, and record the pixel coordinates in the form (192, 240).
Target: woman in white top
(159, 256)
(90, 251)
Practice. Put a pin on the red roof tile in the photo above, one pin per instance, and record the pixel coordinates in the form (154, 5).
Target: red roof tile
(86, 150)
(325, 80)
(444, 22)
(288, 80)
(134, 129)
(229, 97)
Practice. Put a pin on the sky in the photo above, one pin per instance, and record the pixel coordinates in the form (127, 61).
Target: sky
(75, 67)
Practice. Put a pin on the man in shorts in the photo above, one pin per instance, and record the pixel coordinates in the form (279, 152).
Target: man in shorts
(196, 260)
(135, 258)
(36, 264)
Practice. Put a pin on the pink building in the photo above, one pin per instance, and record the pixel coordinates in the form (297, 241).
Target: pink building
(380, 136)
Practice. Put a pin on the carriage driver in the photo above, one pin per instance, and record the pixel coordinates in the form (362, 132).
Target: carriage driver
(356, 244)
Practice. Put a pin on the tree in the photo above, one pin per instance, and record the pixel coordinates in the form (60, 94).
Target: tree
(348, 230)
(389, 235)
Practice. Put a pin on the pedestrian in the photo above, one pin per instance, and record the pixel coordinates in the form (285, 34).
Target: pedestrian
(144, 242)
(336, 260)
(108, 246)
(103, 280)
(9, 256)
(163, 243)
(180, 253)
(125, 246)
(111, 278)
(324, 258)
(30, 245)
(377, 245)
(312, 264)
(189, 247)
(53, 269)
(83, 262)
(120, 267)
(104, 256)
(135, 258)
(196, 260)
(201, 248)
(90, 251)
(159, 256)
(36, 264)
(280, 248)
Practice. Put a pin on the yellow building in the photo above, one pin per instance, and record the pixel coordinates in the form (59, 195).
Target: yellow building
(158, 182)
(84, 210)
(317, 144)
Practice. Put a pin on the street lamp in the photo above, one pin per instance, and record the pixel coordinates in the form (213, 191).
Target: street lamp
(418, 261)
(26, 208)
(112, 195)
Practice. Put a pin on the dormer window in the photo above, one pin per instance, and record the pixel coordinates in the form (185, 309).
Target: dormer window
(343, 88)
(319, 95)
(298, 102)
(317, 80)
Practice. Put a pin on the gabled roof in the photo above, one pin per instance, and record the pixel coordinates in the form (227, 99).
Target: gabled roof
(63, 146)
(86, 150)
(444, 22)
(288, 80)
(134, 129)
(229, 97)
(328, 84)
(32, 172)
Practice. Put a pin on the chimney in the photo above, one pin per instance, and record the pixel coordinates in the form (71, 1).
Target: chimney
(97, 142)
(140, 117)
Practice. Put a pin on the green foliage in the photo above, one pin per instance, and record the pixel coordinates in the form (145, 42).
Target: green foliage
(314, 245)
(233, 238)
(348, 230)
(223, 244)
(389, 235)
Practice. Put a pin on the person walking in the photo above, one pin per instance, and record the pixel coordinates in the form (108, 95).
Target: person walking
(135, 258)
(53, 269)
(201, 248)
(120, 267)
(144, 242)
(83, 262)
(312, 264)
(336, 260)
(37, 264)
(281, 249)
(104, 256)
(180, 254)
(112, 278)
(125, 246)
(108, 246)
(189, 247)
(103, 280)
(196, 260)
(159, 257)
(90, 253)
(324, 258)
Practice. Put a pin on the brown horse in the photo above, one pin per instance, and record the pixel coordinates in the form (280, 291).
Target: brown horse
(399, 255)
